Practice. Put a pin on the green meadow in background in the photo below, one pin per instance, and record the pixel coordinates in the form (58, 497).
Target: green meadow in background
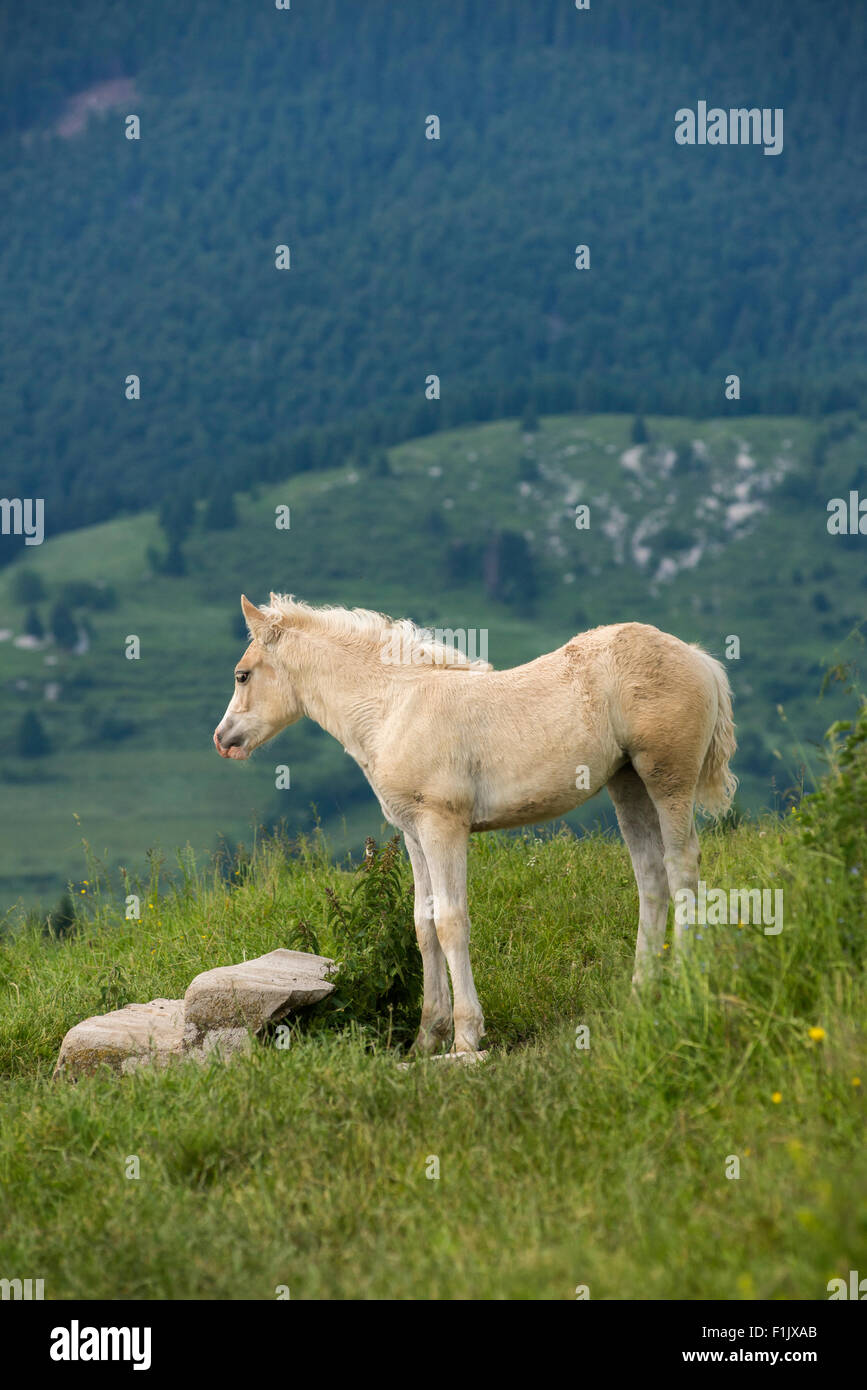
(708, 529)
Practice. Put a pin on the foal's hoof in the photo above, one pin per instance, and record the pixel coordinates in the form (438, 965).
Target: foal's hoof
(466, 1057)
(430, 1041)
(644, 988)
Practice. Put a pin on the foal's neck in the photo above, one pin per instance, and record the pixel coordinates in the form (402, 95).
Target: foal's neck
(345, 689)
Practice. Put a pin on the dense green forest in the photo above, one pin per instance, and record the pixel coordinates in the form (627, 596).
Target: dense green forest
(306, 128)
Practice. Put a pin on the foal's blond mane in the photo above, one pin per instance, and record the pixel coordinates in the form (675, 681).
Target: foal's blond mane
(415, 644)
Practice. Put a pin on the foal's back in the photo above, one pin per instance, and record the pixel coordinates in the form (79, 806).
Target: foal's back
(506, 748)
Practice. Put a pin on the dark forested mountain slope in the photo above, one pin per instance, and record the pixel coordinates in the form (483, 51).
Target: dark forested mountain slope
(409, 256)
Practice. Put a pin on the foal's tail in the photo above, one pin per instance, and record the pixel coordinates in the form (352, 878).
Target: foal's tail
(717, 783)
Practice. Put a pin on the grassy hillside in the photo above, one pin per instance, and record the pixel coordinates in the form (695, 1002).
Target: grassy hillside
(559, 1166)
(675, 526)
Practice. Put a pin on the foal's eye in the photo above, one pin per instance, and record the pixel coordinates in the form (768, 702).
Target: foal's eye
(242, 676)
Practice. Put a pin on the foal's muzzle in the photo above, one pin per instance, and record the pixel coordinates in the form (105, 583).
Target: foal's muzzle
(232, 748)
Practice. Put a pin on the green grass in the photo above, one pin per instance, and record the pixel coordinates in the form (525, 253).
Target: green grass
(307, 1167)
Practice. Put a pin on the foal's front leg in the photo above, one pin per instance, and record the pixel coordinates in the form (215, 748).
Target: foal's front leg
(436, 1013)
(445, 851)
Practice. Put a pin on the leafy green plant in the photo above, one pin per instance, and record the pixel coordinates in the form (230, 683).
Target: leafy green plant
(61, 921)
(378, 975)
(832, 817)
(114, 988)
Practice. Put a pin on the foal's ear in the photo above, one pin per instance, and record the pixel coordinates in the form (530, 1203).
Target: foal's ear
(253, 615)
(262, 626)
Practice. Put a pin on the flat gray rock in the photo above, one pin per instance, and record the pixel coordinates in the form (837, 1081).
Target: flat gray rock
(123, 1039)
(254, 993)
(218, 1014)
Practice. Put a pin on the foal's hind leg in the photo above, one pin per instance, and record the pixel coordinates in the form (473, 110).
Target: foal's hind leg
(671, 786)
(639, 826)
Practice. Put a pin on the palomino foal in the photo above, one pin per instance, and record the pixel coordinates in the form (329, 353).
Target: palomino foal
(450, 746)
